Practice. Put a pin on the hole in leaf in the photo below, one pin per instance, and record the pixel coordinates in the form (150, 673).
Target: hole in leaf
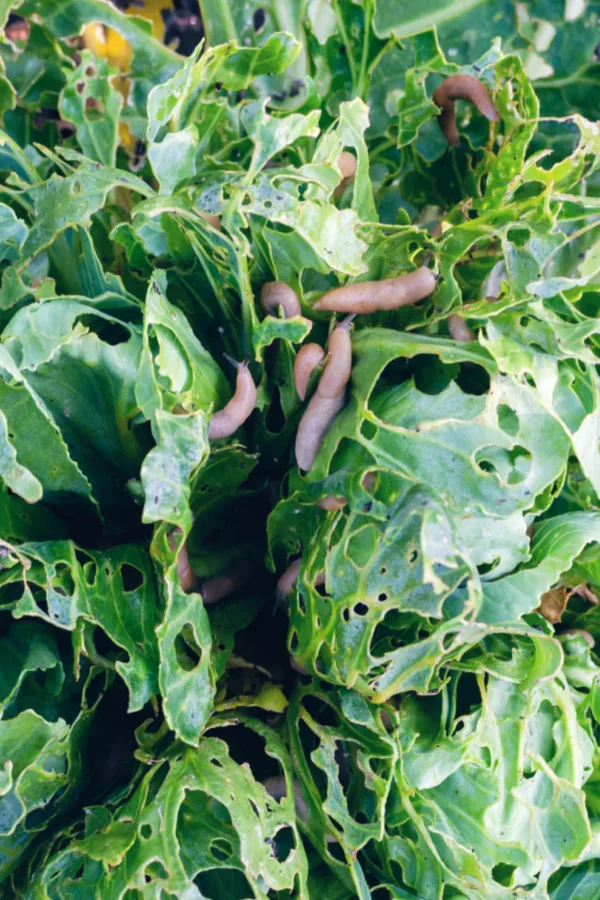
(94, 110)
(336, 852)
(503, 873)
(221, 849)
(368, 429)
(187, 651)
(508, 420)
(111, 333)
(90, 572)
(521, 460)
(284, 843)
(63, 581)
(362, 545)
(485, 568)
(386, 635)
(156, 781)
(431, 375)
(81, 557)
(146, 831)
(131, 577)
(218, 884)
(381, 893)
(155, 870)
(473, 379)
(361, 609)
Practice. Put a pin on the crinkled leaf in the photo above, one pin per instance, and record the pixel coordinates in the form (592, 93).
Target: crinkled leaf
(180, 372)
(49, 459)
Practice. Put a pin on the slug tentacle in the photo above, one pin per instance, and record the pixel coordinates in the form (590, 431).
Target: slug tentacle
(372, 296)
(309, 356)
(234, 414)
(277, 293)
(461, 87)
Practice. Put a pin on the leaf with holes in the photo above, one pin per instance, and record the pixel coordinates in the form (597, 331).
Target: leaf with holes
(379, 581)
(410, 718)
(42, 764)
(114, 591)
(199, 819)
(503, 826)
(91, 102)
(47, 462)
(227, 65)
(186, 675)
(502, 447)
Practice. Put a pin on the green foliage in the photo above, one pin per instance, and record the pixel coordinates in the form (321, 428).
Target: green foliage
(420, 717)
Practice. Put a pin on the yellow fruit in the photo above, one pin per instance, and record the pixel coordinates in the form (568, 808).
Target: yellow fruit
(118, 50)
(94, 38)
